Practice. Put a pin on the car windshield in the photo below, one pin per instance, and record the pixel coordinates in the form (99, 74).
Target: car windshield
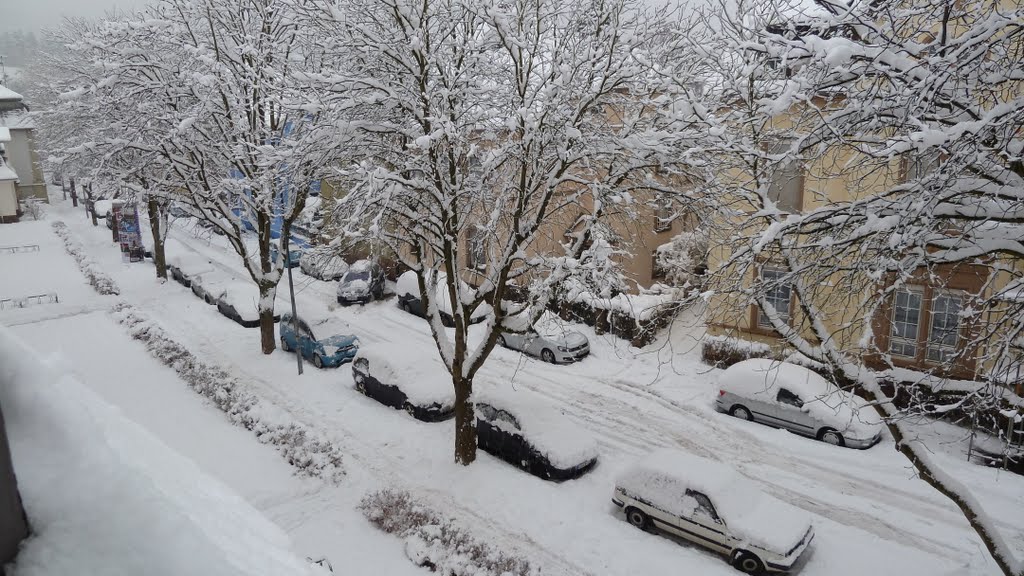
(357, 275)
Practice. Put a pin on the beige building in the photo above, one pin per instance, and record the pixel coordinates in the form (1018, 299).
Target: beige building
(21, 152)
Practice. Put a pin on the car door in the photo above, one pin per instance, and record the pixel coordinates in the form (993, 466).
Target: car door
(533, 343)
(513, 340)
(707, 526)
(791, 413)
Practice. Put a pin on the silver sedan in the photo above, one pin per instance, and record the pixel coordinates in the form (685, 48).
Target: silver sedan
(562, 348)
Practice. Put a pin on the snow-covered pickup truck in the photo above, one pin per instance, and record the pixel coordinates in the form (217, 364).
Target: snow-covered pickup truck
(711, 505)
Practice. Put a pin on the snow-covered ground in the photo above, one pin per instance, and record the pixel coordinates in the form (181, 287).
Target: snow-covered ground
(872, 516)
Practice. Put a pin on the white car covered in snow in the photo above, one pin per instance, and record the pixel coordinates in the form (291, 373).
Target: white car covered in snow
(710, 504)
(797, 399)
(239, 300)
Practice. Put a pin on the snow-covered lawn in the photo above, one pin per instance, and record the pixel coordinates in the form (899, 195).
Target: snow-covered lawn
(871, 515)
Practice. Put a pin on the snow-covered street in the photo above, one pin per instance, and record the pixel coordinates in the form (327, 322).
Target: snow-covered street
(871, 515)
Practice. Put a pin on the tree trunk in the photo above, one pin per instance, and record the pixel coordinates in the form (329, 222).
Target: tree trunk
(952, 489)
(465, 422)
(158, 239)
(266, 308)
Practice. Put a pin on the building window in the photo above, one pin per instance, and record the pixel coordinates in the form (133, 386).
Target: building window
(786, 189)
(476, 255)
(919, 165)
(663, 216)
(944, 333)
(777, 294)
(906, 323)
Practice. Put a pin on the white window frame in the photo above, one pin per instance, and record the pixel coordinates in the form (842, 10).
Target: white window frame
(915, 341)
(946, 352)
(762, 319)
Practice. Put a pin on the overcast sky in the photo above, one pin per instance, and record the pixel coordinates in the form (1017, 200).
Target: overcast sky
(32, 15)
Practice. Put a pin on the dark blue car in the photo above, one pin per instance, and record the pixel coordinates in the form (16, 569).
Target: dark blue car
(332, 351)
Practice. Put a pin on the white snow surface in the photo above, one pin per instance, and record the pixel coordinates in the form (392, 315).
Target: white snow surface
(761, 378)
(104, 496)
(407, 284)
(419, 373)
(565, 444)
(664, 476)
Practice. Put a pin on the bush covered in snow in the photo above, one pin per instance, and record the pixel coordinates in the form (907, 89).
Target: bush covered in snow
(683, 258)
(435, 542)
(722, 351)
(309, 454)
(101, 282)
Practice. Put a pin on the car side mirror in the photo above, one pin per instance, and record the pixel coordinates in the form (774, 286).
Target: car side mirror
(804, 408)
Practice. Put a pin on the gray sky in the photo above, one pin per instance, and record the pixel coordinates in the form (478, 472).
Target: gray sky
(32, 15)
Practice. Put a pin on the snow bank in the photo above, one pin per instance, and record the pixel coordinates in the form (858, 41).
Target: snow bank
(416, 372)
(309, 453)
(564, 444)
(103, 284)
(105, 497)
(438, 543)
(664, 476)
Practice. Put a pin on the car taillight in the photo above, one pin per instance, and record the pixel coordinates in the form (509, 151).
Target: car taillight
(721, 392)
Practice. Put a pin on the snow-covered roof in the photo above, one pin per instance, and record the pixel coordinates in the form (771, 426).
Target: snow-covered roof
(8, 94)
(18, 120)
(5, 134)
(7, 173)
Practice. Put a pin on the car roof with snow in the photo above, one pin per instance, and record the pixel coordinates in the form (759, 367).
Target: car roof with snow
(764, 375)
(565, 444)
(664, 476)
(416, 371)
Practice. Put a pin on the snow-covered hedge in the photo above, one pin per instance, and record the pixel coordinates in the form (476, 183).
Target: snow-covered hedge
(723, 351)
(438, 543)
(100, 281)
(633, 317)
(309, 453)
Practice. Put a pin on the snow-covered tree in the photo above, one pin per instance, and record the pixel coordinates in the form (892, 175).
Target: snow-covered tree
(496, 136)
(917, 108)
(208, 89)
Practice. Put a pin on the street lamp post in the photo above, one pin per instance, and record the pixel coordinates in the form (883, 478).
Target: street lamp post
(295, 315)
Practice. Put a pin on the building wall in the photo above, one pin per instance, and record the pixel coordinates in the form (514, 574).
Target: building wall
(8, 201)
(23, 157)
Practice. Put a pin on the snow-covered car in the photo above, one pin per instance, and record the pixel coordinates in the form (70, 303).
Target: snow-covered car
(332, 351)
(239, 301)
(184, 267)
(209, 285)
(797, 399)
(408, 291)
(422, 388)
(294, 256)
(548, 340)
(710, 504)
(102, 207)
(323, 264)
(529, 434)
(176, 211)
(363, 282)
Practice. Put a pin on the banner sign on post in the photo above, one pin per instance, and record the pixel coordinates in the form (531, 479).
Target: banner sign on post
(130, 234)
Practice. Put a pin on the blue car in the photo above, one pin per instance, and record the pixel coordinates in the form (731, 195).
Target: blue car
(294, 256)
(331, 352)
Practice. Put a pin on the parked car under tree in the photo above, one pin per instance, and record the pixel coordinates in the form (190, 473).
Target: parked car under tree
(407, 289)
(530, 435)
(548, 340)
(711, 505)
(423, 389)
(797, 399)
(332, 351)
(363, 282)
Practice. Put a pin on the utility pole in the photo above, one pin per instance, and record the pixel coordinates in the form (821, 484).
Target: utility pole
(295, 315)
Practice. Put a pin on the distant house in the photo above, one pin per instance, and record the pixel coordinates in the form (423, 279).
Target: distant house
(20, 150)
(9, 211)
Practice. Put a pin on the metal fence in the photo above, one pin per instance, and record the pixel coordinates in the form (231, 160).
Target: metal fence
(25, 301)
(19, 249)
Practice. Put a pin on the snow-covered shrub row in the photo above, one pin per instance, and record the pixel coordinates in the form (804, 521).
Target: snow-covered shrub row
(310, 454)
(101, 282)
(437, 543)
(723, 351)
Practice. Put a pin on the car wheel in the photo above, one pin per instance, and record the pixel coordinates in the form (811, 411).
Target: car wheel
(748, 563)
(501, 340)
(284, 345)
(547, 356)
(408, 408)
(830, 436)
(741, 412)
(404, 305)
(318, 361)
(637, 518)
(360, 386)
